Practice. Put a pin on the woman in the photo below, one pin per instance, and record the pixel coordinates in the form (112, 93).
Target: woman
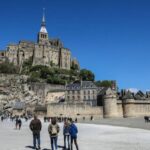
(66, 133)
(53, 130)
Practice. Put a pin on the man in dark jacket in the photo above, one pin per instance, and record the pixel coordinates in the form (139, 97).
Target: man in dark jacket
(73, 133)
(36, 127)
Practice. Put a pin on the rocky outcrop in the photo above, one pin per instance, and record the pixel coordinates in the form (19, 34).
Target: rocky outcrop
(15, 88)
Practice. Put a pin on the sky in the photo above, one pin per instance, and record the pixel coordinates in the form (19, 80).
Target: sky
(109, 37)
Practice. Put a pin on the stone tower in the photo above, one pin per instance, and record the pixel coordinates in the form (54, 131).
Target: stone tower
(110, 104)
(43, 34)
(128, 105)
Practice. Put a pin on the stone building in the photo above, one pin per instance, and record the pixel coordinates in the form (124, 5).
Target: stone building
(84, 91)
(46, 51)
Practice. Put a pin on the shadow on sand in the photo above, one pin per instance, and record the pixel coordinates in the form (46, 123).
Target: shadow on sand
(31, 147)
(59, 146)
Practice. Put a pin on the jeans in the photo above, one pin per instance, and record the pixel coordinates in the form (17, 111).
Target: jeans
(67, 140)
(53, 142)
(36, 137)
(74, 139)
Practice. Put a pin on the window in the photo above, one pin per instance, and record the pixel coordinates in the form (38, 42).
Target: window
(88, 97)
(73, 97)
(78, 97)
(88, 92)
(84, 92)
(84, 97)
(68, 97)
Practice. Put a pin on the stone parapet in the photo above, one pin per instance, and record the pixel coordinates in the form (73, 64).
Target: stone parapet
(73, 110)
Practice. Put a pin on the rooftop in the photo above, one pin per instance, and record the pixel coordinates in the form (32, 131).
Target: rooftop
(81, 85)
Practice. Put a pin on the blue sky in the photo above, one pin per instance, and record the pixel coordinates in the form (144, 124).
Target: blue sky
(109, 37)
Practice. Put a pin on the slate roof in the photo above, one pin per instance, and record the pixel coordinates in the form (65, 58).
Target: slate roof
(103, 91)
(81, 85)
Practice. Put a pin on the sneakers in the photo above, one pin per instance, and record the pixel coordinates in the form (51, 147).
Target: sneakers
(37, 148)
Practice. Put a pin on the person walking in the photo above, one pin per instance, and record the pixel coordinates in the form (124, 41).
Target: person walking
(53, 130)
(19, 123)
(73, 133)
(36, 126)
(16, 122)
(66, 134)
(2, 118)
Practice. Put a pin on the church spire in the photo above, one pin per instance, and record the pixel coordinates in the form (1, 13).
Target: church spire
(43, 19)
(43, 24)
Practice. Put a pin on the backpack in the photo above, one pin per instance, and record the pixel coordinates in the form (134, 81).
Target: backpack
(54, 129)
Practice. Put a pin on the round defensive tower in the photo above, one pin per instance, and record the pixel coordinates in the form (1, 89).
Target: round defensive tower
(128, 104)
(128, 108)
(110, 109)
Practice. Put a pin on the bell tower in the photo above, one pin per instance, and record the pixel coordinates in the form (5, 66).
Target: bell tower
(43, 34)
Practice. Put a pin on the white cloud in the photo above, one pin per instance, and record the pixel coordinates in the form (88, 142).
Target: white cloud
(133, 90)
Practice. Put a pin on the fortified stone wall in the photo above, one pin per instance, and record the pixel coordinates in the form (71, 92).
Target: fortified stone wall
(128, 108)
(136, 108)
(119, 108)
(74, 110)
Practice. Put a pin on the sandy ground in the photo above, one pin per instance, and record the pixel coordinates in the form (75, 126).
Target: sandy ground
(91, 137)
(122, 122)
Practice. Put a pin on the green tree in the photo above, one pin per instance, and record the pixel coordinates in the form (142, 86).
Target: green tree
(87, 75)
(45, 72)
(74, 66)
(8, 68)
(104, 83)
(34, 77)
(55, 80)
(27, 64)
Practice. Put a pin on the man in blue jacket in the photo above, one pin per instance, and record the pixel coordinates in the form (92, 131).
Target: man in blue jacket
(73, 133)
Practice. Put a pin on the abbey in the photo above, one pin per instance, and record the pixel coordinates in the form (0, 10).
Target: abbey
(46, 51)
